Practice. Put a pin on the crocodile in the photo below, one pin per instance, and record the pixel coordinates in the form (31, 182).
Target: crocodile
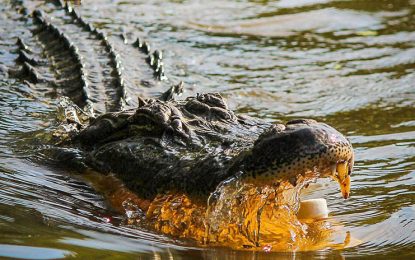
(166, 150)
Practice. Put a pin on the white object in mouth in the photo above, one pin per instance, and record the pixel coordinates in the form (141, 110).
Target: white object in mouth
(313, 209)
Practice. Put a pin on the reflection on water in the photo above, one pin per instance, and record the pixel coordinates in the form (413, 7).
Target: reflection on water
(348, 63)
(284, 25)
(33, 252)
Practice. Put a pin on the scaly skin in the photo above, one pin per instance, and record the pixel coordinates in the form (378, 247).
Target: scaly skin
(191, 146)
(159, 147)
(67, 55)
(177, 157)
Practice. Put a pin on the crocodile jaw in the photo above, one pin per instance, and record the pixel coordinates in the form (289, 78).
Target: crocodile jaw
(288, 152)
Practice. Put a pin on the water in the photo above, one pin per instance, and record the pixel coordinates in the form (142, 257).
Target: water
(348, 63)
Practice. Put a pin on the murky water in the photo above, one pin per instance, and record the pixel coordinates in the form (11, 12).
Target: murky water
(348, 63)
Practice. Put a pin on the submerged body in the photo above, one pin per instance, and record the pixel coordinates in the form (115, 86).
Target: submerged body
(194, 168)
(197, 170)
(192, 146)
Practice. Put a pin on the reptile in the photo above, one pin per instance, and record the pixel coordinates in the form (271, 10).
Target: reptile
(165, 151)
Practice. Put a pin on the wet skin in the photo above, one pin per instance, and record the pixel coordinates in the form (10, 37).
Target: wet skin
(193, 145)
(161, 146)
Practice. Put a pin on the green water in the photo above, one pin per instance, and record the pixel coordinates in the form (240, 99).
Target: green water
(348, 63)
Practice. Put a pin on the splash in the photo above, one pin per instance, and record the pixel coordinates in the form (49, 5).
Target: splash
(245, 214)
(239, 214)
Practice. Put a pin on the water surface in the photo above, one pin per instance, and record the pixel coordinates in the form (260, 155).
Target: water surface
(348, 63)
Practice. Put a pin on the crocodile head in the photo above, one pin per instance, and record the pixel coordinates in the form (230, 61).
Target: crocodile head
(289, 151)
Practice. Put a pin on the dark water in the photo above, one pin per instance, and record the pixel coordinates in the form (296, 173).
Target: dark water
(348, 63)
